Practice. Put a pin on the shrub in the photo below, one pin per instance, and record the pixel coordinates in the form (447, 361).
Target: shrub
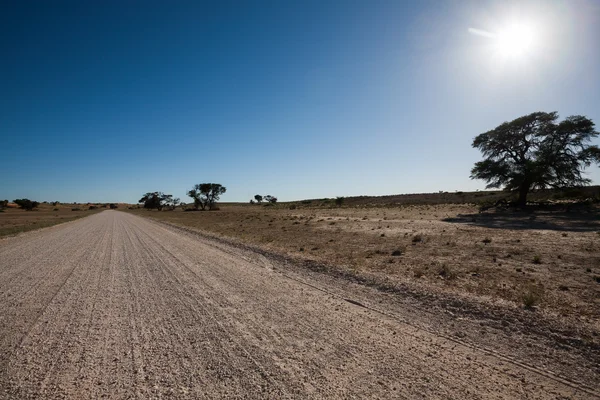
(27, 204)
(447, 273)
(418, 272)
(417, 238)
(537, 259)
(531, 297)
(339, 201)
(397, 253)
(487, 240)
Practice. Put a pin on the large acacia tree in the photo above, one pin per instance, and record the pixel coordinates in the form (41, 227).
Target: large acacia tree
(156, 200)
(206, 194)
(535, 151)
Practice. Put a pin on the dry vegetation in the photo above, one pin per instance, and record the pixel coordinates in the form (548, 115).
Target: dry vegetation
(14, 220)
(546, 259)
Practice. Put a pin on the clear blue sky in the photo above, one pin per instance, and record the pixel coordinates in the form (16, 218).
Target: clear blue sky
(103, 101)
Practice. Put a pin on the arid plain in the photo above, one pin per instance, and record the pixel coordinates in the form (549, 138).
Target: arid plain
(307, 300)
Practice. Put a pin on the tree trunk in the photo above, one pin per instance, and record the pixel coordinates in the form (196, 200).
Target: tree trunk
(523, 190)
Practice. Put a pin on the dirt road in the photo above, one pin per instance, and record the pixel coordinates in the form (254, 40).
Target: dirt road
(118, 306)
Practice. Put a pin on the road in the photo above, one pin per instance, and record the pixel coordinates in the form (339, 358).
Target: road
(119, 306)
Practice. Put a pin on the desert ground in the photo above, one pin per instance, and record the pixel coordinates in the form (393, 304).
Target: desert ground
(546, 260)
(14, 220)
(297, 301)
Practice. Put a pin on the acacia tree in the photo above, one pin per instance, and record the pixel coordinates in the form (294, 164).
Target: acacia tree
(535, 152)
(206, 194)
(270, 199)
(26, 204)
(258, 198)
(156, 200)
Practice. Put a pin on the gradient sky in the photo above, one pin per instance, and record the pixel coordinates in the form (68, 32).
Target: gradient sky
(103, 101)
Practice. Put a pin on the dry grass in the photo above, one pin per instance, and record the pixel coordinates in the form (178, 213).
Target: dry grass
(448, 248)
(14, 220)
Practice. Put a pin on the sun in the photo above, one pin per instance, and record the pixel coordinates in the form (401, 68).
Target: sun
(515, 40)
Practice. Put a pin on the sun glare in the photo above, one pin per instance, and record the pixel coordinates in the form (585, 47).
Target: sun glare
(514, 41)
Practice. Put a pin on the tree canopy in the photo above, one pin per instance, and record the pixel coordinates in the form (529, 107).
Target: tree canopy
(206, 194)
(535, 152)
(270, 199)
(26, 204)
(157, 200)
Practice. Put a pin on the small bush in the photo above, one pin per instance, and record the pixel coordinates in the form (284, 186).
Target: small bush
(531, 297)
(447, 273)
(397, 253)
(486, 240)
(76, 209)
(597, 279)
(56, 209)
(417, 239)
(537, 259)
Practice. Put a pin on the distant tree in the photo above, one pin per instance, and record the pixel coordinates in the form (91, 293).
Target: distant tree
(155, 200)
(258, 198)
(26, 204)
(252, 201)
(206, 194)
(270, 199)
(535, 152)
(339, 201)
(113, 206)
(55, 203)
(3, 204)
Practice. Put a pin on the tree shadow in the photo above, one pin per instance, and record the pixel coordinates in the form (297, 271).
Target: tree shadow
(557, 218)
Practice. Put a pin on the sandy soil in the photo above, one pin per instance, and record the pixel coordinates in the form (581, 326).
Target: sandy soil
(493, 258)
(119, 306)
(14, 220)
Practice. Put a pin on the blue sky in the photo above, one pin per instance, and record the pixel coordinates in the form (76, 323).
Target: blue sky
(104, 101)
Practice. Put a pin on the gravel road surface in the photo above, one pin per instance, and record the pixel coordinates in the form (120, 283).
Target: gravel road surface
(118, 306)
